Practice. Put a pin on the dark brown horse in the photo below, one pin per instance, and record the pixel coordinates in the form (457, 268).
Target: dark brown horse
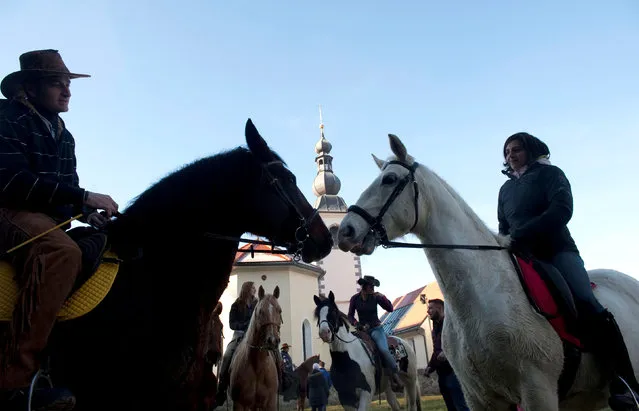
(144, 347)
(213, 356)
(302, 371)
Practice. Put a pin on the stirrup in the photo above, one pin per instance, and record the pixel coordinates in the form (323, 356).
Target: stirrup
(42, 374)
(630, 390)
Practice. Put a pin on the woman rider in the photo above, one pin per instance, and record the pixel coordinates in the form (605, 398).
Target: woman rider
(239, 319)
(534, 207)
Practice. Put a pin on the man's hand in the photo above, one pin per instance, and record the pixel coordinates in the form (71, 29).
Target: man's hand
(428, 372)
(102, 202)
(441, 356)
(97, 220)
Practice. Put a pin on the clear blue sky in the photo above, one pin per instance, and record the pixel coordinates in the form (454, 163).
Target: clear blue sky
(172, 83)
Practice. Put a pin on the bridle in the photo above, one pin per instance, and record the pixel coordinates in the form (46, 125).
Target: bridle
(302, 231)
(333, 329)
(375, 223)
(265, 347)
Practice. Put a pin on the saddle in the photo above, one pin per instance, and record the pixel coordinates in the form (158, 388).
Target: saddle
(550, 296)
(395, 347)
(99, 269)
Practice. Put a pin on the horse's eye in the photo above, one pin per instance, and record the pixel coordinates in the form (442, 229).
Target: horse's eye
(389, 179)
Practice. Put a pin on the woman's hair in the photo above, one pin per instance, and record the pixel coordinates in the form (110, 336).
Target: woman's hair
(533, 146)
(245, 298)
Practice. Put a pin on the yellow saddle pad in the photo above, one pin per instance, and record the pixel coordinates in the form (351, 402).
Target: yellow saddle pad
(83, 300)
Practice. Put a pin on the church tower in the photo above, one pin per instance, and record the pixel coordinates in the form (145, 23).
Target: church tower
(342, 269)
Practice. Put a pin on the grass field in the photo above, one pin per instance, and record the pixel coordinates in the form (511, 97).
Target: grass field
(429, 403)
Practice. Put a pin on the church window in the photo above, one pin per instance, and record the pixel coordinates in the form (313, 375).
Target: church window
(333, 230)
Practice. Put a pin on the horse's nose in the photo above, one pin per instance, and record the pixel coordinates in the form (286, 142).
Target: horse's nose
(323, 333)
(348, 231)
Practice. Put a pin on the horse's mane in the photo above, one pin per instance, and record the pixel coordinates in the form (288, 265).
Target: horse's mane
(187, 192)
(461, 203)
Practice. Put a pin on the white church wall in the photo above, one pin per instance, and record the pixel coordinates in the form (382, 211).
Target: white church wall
(342, 269)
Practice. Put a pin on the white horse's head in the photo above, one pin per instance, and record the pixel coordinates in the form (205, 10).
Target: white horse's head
(387, 208)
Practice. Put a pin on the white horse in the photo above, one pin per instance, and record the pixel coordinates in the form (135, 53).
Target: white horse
(503, 352)
(353, 370)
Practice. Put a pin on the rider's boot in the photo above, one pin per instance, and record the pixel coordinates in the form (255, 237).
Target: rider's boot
(396, 382)
(223, 382)
(608, 344)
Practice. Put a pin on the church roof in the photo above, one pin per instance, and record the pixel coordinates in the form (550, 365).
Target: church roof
(243, 257)
(331, 203)
(245, 252)
(410, 310)
(326, 184)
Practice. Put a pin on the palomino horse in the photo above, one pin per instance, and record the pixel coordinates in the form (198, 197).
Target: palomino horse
(503, 352)
(254, 370)
(144, 347)
(353, 368)
(302, 372)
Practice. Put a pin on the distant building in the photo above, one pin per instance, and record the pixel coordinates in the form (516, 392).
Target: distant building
(410, 321)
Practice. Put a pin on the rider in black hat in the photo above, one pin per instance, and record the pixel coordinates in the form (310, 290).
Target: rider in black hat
(365, 303)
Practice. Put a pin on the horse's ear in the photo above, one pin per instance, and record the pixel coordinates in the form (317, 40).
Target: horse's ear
(260, 292)
(397, 147)
(317, 300)
(256, 143)
(276, 292)
(331, 296)
(218, 308)
(380, 163)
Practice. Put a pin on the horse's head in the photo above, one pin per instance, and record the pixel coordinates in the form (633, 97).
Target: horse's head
(282, 212)
(214, 353)
(267, 319)
(329, 318)
(387, 209)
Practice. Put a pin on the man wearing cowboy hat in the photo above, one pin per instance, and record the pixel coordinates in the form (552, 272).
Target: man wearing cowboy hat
(39, 189)
(365, 303)
(286, 358)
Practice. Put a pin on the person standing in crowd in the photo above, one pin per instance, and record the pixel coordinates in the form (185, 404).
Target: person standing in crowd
(449, 386)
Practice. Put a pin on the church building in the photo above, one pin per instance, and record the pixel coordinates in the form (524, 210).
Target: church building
(298, 281)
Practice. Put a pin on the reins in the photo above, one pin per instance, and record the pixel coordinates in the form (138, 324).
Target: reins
(379, 231)
(22, 244)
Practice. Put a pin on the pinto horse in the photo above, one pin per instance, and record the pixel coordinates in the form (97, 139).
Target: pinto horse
(254, 370)
(355, 372)
(503, 351)
(144, 346)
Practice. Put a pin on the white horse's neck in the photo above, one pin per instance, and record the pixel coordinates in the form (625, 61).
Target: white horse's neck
(467, 278)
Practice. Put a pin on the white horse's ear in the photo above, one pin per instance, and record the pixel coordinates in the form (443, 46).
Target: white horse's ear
(380, 163)
(260, 292)
(276, 293)
(398, 147)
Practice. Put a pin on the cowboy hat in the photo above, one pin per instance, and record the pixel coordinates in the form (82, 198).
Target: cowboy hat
(285, 345)
(37, 63)
(368, 279)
